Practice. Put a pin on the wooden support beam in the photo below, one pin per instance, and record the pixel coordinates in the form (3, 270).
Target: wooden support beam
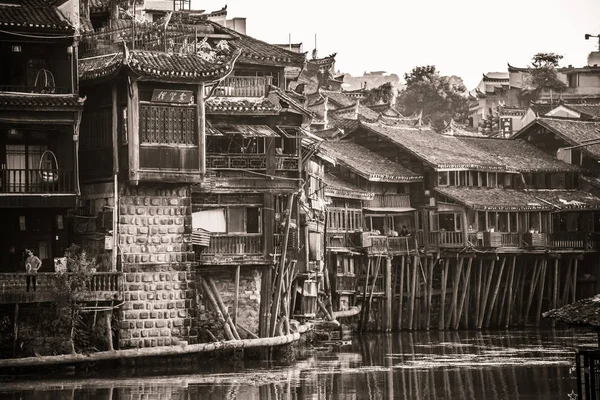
(461, 304)
(478, 291)
(388, 294)
(133, 124)
(201, 121)
(555, 289)
(16, 330)
(442, 321)
(495, 294)
(510, 291)
(486, 293)
(533, 285)
(401, 293)
(574, 288)
(224, 311)
(109, 337)
(413, 293)
(394, 294)
(455, 287)
(541, 292)
(236, 295)
(430, 264)
(364, 317)
(567, 284)
(217, 309)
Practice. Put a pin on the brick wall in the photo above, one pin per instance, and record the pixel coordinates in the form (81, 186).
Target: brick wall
(158, 264)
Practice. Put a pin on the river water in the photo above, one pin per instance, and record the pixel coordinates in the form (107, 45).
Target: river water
(528, 364)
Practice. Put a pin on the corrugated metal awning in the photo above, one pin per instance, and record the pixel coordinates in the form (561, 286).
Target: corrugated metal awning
(243, 130)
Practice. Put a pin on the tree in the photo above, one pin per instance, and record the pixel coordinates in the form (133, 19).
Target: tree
(542, 75)
(380, 94)
(440, 98)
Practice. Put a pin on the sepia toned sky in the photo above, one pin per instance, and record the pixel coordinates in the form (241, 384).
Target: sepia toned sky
(460, 37)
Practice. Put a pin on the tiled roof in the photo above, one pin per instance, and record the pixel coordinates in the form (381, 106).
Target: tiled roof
(585, 312)
(254, 51)
(335, 187)
(177, 67)
(241, 105)
(440, 151)
(19, 100)
(541, 109)
(365, 112)
(338, 98)
(569, 199)
(33, 15)
(591, 110)
(331, 133)
(518, 155)
(493, 199)
(346, 122)
(368, 164)
(293, 103)
(574, 131)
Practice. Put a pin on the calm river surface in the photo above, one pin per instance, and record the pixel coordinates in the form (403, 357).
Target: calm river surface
(491, 365)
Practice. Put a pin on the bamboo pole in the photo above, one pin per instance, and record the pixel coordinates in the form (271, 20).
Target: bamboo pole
(430, 265)
(375, 276)
(442, 321)
(486, 292)
(574, 292)
(495, 294)
(364, 310)
(478, 292)
(16, 330)
(224, 310)
(279, 282)
(388, 294)
(567, 284)
(413, 293)
(401, 294)
(534, 278)
(394, 295)
(217, 310)
(541, 293)
(236, 294)
(466, 281)
(510, 290)
(247, 331)
(418, 295)
(555, 287)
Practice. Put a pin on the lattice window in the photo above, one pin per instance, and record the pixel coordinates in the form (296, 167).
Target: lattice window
(167, 125)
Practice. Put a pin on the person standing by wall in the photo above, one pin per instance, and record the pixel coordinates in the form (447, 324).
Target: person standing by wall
(32, 264)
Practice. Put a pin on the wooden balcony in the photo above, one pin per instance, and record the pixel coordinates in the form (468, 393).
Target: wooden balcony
(388, 201)
(234, 248)
(249, 162)
(379, 245)
(13, 287)
(445, 239)
(37, 181)
(401, 244)
(378, 281)
(588, 241)
(345, 283)
(244, 86)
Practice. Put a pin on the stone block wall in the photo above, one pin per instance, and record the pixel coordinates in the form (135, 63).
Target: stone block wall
(248, 298)
(157, 260)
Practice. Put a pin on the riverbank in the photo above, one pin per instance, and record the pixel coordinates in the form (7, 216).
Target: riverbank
(152, 352)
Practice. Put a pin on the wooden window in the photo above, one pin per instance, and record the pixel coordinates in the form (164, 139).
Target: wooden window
(492, 177)
(483, 179)
(167, 125)
(443, 178)
(243, 220)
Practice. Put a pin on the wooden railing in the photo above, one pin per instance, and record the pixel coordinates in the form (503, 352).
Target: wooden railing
(401, 244)
(575, 240)
(239, 243)
(379, 281)
(379, 244)
(345, 283)
(249, 161)
(389, 200)
(338, 239)
(511, 239)
(16, 282)
(37, 181)
(445, 239)
(420, 238)
(244, 86)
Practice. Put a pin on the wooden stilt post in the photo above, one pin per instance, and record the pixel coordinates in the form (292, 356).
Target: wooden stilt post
(16, 330)
(401, 294)
(442, 321)
(455, 288)
(534, 278)
(574, 292)
(510, 291)
(394, 294)
(541, 293)
(364, 312)
(224, 311)
(461, 304)
(495, 294)
(109, 338)
(486, 292)
(567, 284)
(555, 289)
(413, 293)
(217, 310)
(388, 294)
(478, 292)
(430, 265)
(236, 294)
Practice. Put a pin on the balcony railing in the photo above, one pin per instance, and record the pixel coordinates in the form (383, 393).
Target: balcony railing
(388, 200)
(345, 283)
(379, 282)
(37, 181)
(102, 286)
(231, 244)
(401, 244)
(379, 244)
(244, 86)
(337, 239)
(445, 239)
(249, 161)
(575, 240)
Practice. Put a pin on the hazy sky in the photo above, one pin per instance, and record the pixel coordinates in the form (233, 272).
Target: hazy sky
(460, 37)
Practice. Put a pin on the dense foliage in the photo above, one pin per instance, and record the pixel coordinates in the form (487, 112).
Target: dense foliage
(439, 98)
(542, 75)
